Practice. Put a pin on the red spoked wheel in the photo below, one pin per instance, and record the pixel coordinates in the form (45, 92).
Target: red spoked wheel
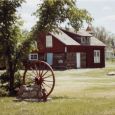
(41, 71)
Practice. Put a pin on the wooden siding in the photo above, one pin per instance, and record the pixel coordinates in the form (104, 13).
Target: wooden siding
(83, 60)
(89, 50)
(57, 45)
(69, 58)
(59, 60)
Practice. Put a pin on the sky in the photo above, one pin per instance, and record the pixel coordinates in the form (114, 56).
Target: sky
(102, 11)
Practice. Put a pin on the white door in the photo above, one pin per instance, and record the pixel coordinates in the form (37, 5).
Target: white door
(50, 58)
(78, 60)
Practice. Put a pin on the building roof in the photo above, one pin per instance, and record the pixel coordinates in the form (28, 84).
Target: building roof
(83, 33)
(64, 38)
(67, 40)
(79, 33)
(95, 42)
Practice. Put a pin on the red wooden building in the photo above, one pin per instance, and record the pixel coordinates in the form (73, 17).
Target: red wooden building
(68, 49)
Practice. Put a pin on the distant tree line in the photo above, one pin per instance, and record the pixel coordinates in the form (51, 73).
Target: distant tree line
(106, 37)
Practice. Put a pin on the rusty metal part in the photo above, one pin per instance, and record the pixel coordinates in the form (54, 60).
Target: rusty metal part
(40, 73)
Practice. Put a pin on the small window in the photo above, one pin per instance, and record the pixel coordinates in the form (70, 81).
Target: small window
(49, 41)
(83, 40)
(33, 56)
(96, 56)
(88, 40)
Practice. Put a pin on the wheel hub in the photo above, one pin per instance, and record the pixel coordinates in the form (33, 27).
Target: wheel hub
(38, 80)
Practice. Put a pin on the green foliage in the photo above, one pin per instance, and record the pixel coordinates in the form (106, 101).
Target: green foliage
(3, 92)
(2, 63)
(10, 37)
(4, 78)
(4, 84)
(52, 13)
(15, 47)
(10, 32)
(18, 81)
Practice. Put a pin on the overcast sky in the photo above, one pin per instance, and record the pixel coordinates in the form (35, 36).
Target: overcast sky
(103, 12)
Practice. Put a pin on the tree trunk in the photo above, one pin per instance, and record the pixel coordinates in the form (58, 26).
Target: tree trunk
(10, 72)
(11, 83)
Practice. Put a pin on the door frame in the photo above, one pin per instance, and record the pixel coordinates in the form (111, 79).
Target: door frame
(49, 58)
(78, 59)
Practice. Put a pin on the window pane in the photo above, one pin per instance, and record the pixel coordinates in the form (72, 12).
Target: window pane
(33, 56)
(96, 56)
(48, 41)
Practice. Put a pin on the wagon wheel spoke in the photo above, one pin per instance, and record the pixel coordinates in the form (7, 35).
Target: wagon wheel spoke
(30, 77)
(48, 81)
(47, 76)
(36, 70)
(41, 71)
(45, 89)
(44, 72)
(46, 85)
(43, 66)
(43, 86)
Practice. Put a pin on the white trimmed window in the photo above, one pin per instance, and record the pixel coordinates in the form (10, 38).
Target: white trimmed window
(49, 41)
(33, 56)
(96, 56)
(85, 40)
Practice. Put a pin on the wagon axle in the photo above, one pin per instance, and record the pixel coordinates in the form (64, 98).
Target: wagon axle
(39, 80)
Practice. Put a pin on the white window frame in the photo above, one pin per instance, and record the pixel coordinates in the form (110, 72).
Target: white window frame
(49, 42)
(96, 56)
(32, 56)
(65, 49)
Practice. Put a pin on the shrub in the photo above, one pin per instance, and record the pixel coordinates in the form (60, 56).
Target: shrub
(4, 83)
(3, 92)
(17, 80)
(4, 78)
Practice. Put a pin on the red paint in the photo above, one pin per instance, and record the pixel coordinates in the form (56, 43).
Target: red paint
(59, 47)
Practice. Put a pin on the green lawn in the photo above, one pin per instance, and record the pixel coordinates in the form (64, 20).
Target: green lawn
(77, 92)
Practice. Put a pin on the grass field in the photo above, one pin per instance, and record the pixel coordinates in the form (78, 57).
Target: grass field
(77, 92)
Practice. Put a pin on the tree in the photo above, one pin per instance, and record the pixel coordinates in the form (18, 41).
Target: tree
(9, 37)
(102, 34)
(52, 13)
